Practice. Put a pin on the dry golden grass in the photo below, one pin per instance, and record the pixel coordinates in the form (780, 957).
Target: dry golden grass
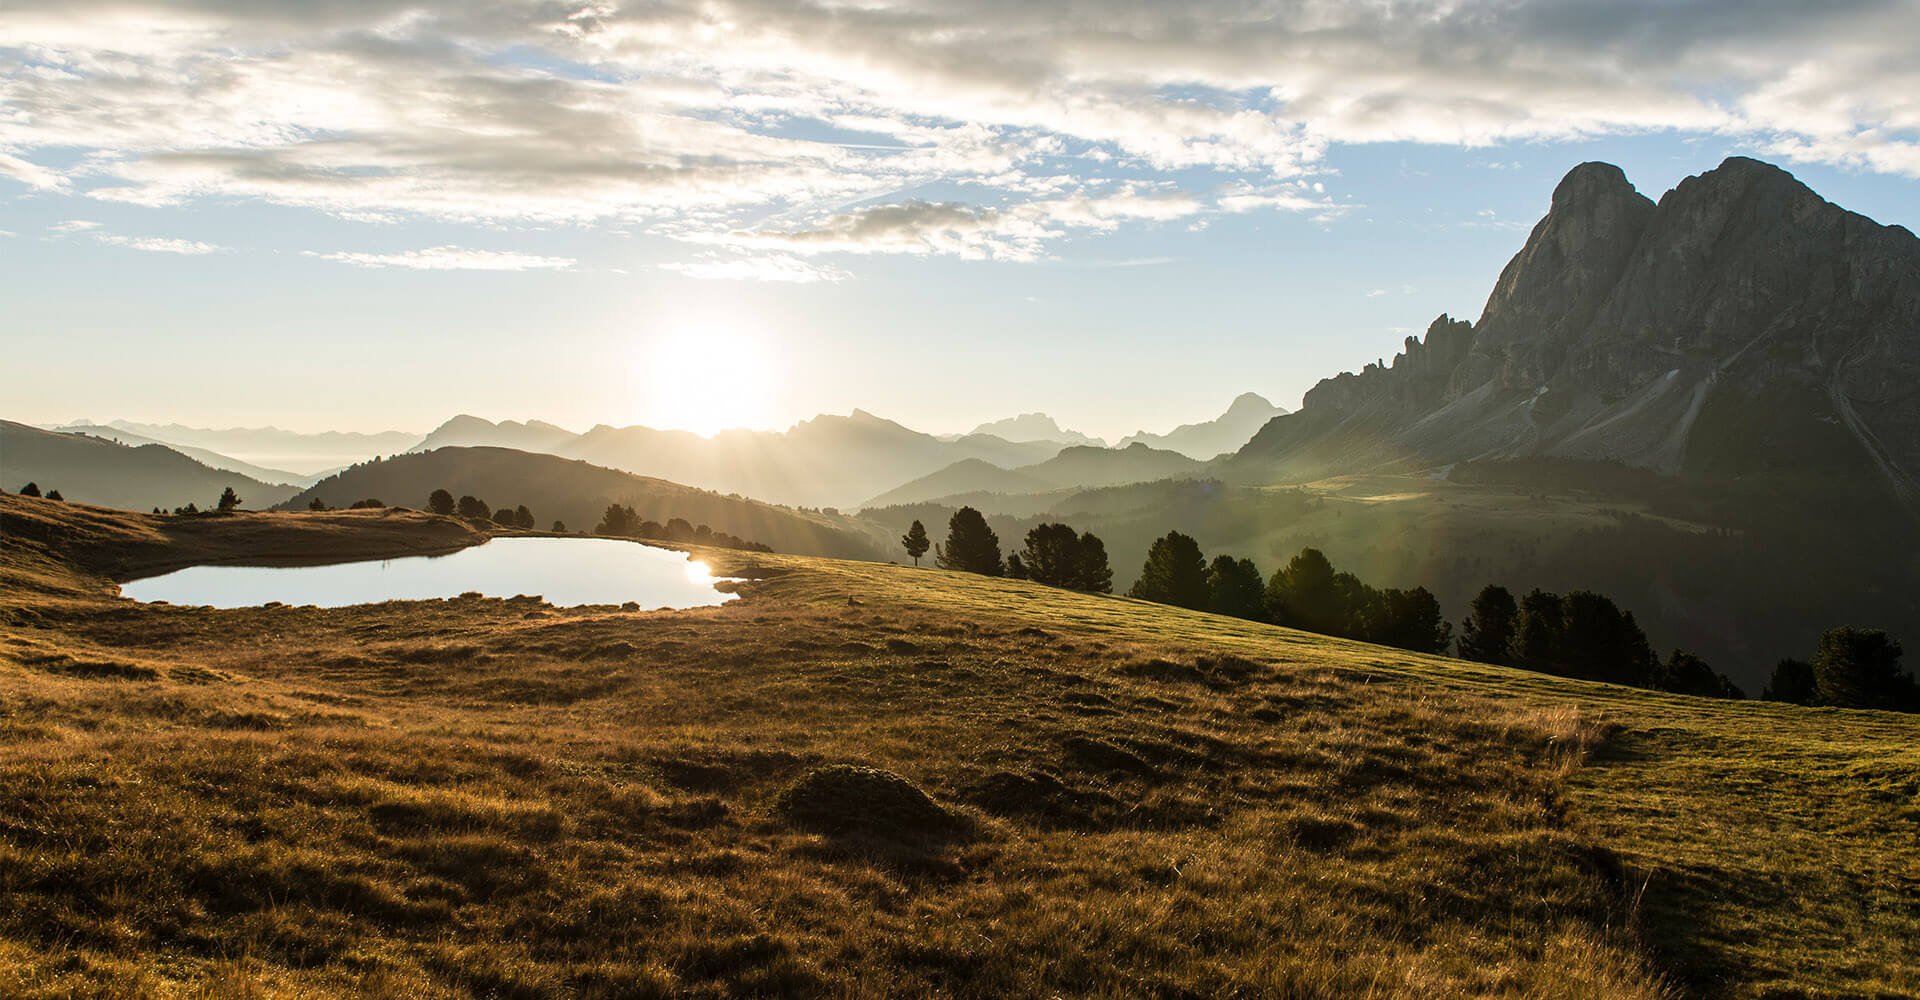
(497, 798)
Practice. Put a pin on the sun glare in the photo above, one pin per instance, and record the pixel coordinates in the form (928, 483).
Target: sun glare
(706, 380)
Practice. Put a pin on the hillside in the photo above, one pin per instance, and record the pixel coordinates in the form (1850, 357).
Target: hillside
(1089, 796)
(577, 493)
(210, 459)
(1075, 467)
(1212, 438)
(92, 470)
(970, 475)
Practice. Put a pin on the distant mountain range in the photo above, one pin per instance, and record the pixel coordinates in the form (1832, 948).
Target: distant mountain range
(466, 431)
(577, 493)
(97, 471)
(1741, 329)
(1212, 438)
(1036, 427)
(270, 447)
(211, 459)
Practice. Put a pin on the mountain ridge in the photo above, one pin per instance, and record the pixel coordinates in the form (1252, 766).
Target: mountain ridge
(1738, 327)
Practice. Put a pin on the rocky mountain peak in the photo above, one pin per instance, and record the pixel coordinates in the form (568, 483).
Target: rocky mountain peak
(1589, 183)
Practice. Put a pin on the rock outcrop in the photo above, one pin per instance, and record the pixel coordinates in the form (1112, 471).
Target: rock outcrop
(1741, 327)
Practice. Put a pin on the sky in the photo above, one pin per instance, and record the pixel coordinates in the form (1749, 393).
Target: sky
(363, 215)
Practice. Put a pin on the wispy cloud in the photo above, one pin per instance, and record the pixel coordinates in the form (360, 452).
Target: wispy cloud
(155, 245)
(150, 244)
(757, 267)
(31, 174)
(449, 258)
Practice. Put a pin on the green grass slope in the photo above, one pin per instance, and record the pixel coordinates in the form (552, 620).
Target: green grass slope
(867, 779)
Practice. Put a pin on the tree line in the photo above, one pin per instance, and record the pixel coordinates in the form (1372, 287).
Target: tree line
(475, 509)
(1054, 554)
(1579, 634)
(624, 522)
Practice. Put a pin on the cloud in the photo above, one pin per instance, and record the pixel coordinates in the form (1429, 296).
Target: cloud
(31, 174)
(1017, 232)
(71, 226)
(449, 258)
(708, 119)
(152, 245)
(758, 267)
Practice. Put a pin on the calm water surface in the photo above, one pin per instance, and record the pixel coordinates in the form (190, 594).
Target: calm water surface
(566, 571)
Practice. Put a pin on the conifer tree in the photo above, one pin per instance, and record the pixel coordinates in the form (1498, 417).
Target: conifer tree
(971, 546)
(1175, 573)
(915, 541)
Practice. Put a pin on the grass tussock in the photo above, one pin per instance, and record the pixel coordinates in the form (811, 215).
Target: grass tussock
(868, 780)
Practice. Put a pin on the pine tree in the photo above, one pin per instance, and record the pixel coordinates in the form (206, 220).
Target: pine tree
(316, 504)
(229, 501)
(915, 541)
(1308, 594)
(1052, 555)
(1860, 668)
(523, 518)
(1234, 588)
(1016, 569)
(30, 490)
(1175, 573)
(1096, 574)
(1487, 634)
(473, 507)
(1685, 673)
(440, 502)
(55, 495)
(971, 546)
(559, 527)
(1793, 682)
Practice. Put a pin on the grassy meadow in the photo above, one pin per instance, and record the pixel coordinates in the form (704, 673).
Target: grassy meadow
(1095, 797)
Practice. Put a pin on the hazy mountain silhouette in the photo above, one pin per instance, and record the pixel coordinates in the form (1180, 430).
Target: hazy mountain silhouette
(466, 431)
(1212, 438)
(96, 471)
(1080, 467)
(1741, 327)
(1036, 427)
(577, 492)
(306, 454)
(211, 459)
(827, 461)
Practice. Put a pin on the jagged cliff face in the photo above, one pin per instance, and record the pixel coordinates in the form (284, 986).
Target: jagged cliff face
(1742, 326)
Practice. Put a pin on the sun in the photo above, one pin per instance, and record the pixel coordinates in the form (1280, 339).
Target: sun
(707, 379)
